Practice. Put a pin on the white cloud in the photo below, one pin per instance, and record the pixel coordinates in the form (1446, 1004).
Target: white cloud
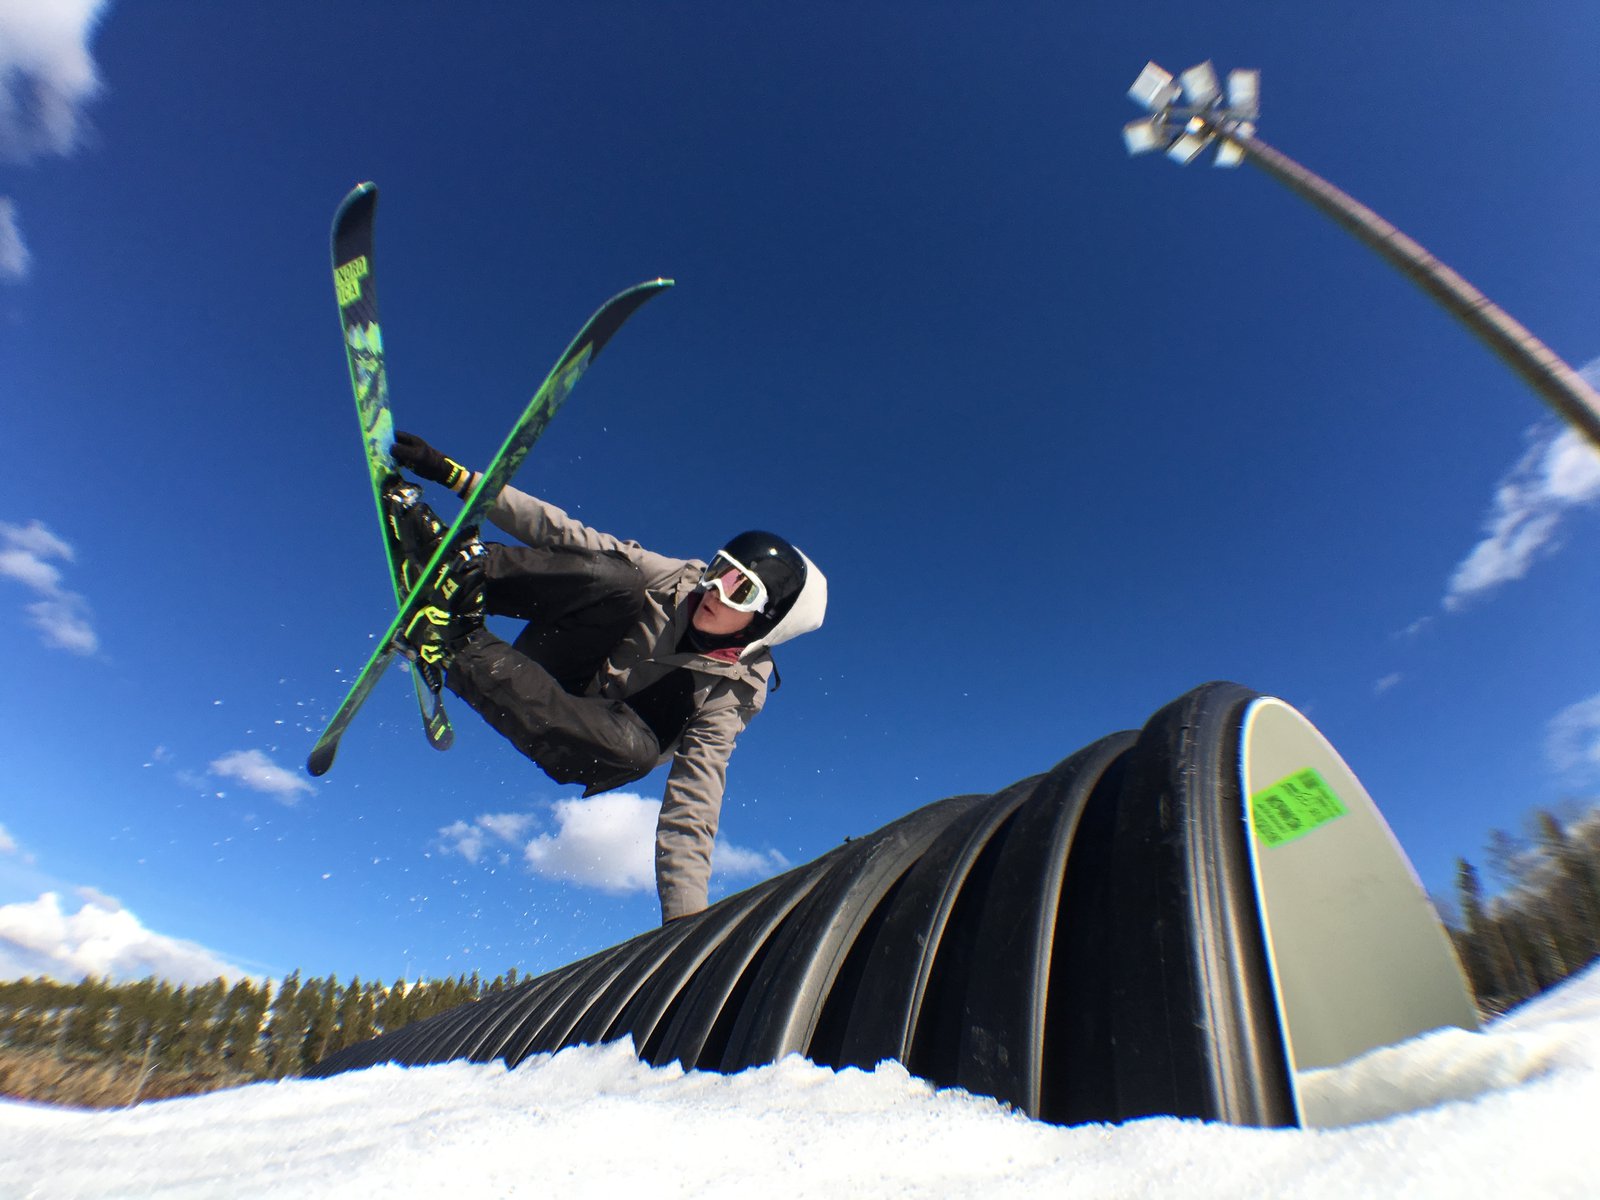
(608, 842)
(605, 842)
(14, 255)
(730, 861)
(46, 75)
(1559, 472)
(24, 550)
(463, 839)
(471, 839)
(13, 849)
(102, 939)
(62, 617)
(1572, 469)
(97, 897)
(256, 771)
(36, 540)
(63, 623)
(1387, 682)
(508, 827)
(1572, 740)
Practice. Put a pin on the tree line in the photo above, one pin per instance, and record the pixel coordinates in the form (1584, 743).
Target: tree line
(155, 1038)
(1543, 924)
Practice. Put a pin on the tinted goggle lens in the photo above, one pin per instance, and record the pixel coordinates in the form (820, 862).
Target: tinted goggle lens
(739, 587)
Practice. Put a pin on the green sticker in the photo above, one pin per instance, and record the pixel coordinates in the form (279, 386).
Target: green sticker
(1293, 807)
(347, 280)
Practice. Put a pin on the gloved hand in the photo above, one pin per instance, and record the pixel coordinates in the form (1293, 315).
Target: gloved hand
(422, 460)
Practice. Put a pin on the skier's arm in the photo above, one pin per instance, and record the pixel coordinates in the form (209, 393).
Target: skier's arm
(539, 523)
(687, 827)
(526, 517)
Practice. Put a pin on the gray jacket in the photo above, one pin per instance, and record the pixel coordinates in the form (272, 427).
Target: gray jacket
(726, 694)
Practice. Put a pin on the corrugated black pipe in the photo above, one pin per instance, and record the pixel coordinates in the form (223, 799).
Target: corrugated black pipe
(1083, 944)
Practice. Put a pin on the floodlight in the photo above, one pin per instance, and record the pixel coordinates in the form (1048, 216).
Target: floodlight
(1190, 113)
(1183, 150)
(1229, 154)
(1200, 85)
(1154, 89)
(1144, 136)
(1244, 93)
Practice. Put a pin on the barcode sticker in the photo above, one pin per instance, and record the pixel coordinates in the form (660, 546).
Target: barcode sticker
(1293, 807)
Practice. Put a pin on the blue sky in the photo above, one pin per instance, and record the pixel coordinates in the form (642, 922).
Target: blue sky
(1069, 432)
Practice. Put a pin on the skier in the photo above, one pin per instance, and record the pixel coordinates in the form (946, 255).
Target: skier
(628, 659)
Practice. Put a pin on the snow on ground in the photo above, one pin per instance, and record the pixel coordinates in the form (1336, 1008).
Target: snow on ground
(1506, 1112)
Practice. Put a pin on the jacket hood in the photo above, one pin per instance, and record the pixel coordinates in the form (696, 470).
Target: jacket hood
(804, 615)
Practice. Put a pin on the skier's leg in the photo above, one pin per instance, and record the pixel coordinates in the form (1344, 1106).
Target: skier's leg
(578, 604)
(575, 739)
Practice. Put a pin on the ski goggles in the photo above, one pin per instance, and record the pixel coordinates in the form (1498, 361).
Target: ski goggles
(740, 587)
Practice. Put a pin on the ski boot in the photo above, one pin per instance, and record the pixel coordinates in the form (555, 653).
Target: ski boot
(414, 528)
(453, 608)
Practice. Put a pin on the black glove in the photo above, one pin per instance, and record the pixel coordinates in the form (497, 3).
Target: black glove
(422, 460)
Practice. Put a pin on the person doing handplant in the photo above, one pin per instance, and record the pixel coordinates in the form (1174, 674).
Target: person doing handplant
(628, 659)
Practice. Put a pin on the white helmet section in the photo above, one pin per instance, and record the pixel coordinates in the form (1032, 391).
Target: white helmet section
(804, 615)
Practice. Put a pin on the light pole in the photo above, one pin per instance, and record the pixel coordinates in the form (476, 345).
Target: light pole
(1209, 115)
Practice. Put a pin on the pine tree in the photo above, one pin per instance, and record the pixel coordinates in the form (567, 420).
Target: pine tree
(347, 1021)
(318, 1008)
(285, 1033)
(1550, 965)
(364, 1022)
(247, 1006)
(394, 1012)
(1482, 969)
(1574, 905)
(1509, 929)
(135, 1018)
(87, 1026)
(172, 1009)
(207, 1024)
(1509, 858)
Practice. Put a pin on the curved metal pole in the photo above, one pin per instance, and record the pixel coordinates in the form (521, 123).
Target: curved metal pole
(1540, 367)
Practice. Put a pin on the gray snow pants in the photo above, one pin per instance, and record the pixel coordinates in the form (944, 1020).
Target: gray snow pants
(578, 604)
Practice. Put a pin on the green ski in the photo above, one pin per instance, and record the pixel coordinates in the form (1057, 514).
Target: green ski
(546, 401)
(355, 285)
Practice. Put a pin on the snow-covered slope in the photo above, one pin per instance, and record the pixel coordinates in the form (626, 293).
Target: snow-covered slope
(1507, 1112)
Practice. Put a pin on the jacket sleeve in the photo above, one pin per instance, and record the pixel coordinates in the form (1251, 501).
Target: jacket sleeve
(691, 806)
(537, 523)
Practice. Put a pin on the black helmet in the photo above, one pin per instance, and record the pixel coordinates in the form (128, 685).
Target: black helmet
(776, 563)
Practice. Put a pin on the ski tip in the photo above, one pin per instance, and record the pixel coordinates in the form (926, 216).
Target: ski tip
(610, 318)
(639, 293)
(355, 207)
